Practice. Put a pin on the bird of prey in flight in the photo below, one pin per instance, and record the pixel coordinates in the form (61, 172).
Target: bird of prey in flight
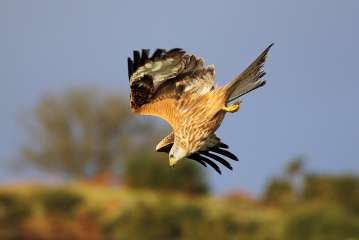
(179, 88)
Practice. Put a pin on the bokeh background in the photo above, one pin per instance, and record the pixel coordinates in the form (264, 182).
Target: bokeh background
(75, 164)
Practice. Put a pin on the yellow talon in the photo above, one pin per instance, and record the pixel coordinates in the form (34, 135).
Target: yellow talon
(233, 108)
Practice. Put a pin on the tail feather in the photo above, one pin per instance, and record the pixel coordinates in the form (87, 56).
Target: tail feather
(249, 80)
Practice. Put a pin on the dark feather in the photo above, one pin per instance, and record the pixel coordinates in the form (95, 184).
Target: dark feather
(224, 152)
(158, 53)
(197, 159)
(165, 149)
(136, 60)
(175, 50)
(192, 62)
(144, 56)
(219, 159)
(261, 74)
(206, 160)
(222, 145)
(130, 67)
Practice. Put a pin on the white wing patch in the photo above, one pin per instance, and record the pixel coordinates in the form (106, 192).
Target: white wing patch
(201, 82)
(158, 70)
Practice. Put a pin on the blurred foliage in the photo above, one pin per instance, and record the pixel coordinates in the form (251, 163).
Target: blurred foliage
(341, 190)
(322, 223)
(13, 211)
(59, 201)
(115, 213)
(295, 167)
(279, 192)
(162, 220)
(83, 133)
(168, 220)
(149, 171)
(325, 209)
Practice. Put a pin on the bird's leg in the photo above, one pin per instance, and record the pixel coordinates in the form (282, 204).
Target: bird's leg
(233, 108)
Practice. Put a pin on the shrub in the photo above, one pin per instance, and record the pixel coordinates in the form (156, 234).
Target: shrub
(326, 223)
(60, 201)
(144, 221)
(167, 220)
(279, 192)
(153, 173)
(13, 211)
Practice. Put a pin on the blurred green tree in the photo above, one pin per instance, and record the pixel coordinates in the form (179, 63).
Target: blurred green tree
(83, 133)
(287, 188)
(294, 173)
(342, 190)
(295, 167)
(278, 192)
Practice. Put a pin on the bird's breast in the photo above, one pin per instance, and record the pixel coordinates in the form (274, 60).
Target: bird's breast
(197, 118)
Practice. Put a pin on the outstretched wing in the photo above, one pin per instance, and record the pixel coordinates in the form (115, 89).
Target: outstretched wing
(158, 81)
(214, 150)
(250, 79)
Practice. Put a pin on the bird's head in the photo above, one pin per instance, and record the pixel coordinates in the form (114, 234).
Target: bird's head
(176, 153)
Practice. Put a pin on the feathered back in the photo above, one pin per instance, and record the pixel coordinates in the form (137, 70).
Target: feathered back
(166, 74)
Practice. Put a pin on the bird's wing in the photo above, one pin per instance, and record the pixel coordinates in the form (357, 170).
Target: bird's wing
(213, 150)
(158, 81)
(166, 143)
(250, 79)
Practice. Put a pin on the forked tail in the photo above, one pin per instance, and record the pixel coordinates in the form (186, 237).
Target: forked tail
(249, 80)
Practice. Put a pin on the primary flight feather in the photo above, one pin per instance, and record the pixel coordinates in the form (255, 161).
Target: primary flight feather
(180, 89)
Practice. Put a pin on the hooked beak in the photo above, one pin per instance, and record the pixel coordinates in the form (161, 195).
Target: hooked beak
(173, 162)
(176, 153)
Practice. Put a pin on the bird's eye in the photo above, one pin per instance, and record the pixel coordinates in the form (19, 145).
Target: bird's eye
(171, 155)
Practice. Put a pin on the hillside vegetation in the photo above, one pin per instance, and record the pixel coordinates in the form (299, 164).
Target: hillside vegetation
(88, 211)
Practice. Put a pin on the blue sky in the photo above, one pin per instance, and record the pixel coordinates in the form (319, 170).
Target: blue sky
(309, 106)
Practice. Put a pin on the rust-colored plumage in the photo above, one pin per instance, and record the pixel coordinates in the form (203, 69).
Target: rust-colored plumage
(179, 88)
